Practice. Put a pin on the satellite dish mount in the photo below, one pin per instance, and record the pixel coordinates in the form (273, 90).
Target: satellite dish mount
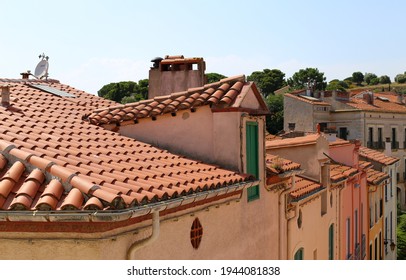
(41, 71)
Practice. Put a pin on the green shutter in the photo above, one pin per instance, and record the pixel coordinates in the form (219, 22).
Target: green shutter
(331, 242)
(252, 157)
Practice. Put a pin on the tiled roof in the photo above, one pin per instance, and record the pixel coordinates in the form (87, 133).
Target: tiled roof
(364, 164)
(339, 172)
(227, 93)
(375, 177)
(374, 155)
(383, 102)
(277, 165)
(306, 99)
(304, 188)
(50, 159)
(296, 141)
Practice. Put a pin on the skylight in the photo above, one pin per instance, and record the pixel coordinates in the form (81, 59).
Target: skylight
(52, 90)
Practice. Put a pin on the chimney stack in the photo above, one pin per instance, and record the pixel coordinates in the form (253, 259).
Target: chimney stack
(174, 74)
(25, 75)
(5, 95)
(400, 98)
(388, 147)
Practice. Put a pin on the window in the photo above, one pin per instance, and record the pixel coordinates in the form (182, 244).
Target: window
(394, 143)
(299, 254)
(376, 249)
(380, 139)
(196, 233)
(390, 182)
(391, 226)
(331, 242)
(380, 208)
(380, 245)
(370, 137)
(252, 158)
(386, 191)
(370, 251)
(343, 133)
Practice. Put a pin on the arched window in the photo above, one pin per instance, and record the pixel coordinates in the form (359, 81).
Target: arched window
(299, 254)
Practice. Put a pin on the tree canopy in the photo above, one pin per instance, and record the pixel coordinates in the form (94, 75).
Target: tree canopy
(268, 81)
(308, 78)
(125, 92)
(214, 77)
(274, 121)
(357, 77)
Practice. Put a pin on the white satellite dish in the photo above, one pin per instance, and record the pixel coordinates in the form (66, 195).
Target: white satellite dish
(41, 70)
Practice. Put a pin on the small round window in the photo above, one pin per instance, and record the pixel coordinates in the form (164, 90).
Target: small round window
(196, 233)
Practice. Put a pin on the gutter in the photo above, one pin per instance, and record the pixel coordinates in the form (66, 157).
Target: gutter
(118, 215)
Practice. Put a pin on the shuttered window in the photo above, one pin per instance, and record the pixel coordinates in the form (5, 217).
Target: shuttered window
(252, 157)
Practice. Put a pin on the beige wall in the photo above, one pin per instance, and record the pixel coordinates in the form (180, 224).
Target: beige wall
(304, 120)
(231, 230)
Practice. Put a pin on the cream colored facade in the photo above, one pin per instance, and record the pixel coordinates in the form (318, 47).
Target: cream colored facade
(221, 238)
(305, 224)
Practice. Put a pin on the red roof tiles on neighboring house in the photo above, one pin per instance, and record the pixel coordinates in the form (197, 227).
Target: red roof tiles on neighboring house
(374, 155)
(382, 102)
(277, 165)
(304, 188)
(339, 172)
(375, 177)
(52, 160)
(296, 141)
(227, 93)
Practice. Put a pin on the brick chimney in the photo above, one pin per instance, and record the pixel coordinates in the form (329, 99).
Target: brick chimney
(174, 74)
(5, 95)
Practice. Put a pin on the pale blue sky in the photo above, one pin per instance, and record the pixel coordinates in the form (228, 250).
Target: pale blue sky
(92, 43)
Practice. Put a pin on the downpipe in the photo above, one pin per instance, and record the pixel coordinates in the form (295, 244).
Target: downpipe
(145, 242)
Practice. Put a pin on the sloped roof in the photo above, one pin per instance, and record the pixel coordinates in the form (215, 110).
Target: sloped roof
(339, 172)
(277, 165)
(383, 102)
(45, 144)
(296, 141)
(304, 188)
(227, 93)
(377, 156)
(307, 99)
(375, 177)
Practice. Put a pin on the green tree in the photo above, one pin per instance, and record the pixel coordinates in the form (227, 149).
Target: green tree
(214, 77)
(337, 85)
(400, 78)
(308, 78)
(384, 79)
(131, 90)
(357, 77)
(274, 121)
(368, 77)
(268, 81)
(401, 237)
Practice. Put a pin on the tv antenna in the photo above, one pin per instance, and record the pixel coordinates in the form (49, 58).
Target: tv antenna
(41, 71)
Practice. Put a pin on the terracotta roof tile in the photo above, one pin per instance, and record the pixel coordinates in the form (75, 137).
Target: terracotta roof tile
(374, 155)
(375, 177)
(296, 141)
(52, 160)
(304, 188)
(339, 172)
(221, 94)
(277, 165)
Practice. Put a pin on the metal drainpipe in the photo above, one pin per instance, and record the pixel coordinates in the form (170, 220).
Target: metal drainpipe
(154, 236)
(282, 205)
